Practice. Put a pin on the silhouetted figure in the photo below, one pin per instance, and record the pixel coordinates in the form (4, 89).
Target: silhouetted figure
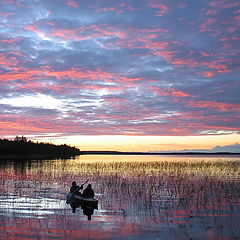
(88, 192)
(75, 188)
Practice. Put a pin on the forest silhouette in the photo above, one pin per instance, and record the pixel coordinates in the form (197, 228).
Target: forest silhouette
(20, 146)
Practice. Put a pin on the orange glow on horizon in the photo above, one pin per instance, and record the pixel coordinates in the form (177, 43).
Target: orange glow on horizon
(144, 143)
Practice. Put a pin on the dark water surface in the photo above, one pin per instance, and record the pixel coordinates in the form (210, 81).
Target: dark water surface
(140, 197)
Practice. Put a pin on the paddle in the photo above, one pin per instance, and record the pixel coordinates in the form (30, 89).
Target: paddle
(80, 186)
(85, 182)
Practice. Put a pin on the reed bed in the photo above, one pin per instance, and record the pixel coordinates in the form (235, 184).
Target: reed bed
(132, 186)
(222, 169)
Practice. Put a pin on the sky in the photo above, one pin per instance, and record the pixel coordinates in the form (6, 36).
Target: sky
(121, 75)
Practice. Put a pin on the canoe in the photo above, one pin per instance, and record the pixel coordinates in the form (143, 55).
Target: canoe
(75, 198)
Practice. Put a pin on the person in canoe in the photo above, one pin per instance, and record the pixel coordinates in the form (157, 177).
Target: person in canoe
(88, 192)
(75, 188)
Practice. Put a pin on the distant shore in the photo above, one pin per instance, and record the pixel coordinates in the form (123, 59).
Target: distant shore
(21, 148)
(154, 153)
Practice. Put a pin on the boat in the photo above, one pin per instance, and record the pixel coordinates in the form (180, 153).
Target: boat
(76, 199)
(87, 204)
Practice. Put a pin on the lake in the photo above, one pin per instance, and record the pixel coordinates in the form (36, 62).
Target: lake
(140, 197)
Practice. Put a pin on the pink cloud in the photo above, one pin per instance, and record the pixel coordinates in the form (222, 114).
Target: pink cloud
(205, 54)
(8, 61)
(120, 8)
(78, 34)
(78, 73)
(6, 14)
(83, 33)
(33, 78)
(169, 92)
(219, 106)
(10, 41)
(19, 125)
(109, 9)
(137, 38)
(168, 55)
(219, 67)
(162, 9)
(126, 6)
(23, 74)
(211, 12)
(231, 5)
(157, 45)
(72, 3)
(204, 27)
(214, 3)
(207, 127)
(209, 74)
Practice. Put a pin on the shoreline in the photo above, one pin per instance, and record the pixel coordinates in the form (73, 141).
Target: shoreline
(35, 157)
(49, 156)
(154, 153)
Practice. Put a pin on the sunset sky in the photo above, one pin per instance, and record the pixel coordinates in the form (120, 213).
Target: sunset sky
(121, 75)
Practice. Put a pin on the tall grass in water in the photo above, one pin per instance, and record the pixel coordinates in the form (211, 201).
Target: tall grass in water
(199, 182)
(134, 185)
(165, 185)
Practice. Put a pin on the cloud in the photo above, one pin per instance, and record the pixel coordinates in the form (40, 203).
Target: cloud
(37, 101)
(146, 67)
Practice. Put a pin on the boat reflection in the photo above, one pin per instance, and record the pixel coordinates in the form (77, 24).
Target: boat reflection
(86, 204)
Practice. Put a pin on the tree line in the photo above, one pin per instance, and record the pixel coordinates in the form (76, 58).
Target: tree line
(22, 146)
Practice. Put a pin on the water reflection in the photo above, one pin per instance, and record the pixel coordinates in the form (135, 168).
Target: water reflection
(86, 209)
(27, 206)
(86, 204)
(155, 198)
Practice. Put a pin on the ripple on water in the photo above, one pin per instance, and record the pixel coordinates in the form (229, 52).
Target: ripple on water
(25, 206)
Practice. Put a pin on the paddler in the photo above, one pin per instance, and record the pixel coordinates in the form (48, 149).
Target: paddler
(88, 192)
(75, 188)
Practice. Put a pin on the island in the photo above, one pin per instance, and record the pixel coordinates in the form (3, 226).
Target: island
(21, 147)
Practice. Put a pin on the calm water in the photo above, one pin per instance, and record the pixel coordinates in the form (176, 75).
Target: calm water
(140, 197)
